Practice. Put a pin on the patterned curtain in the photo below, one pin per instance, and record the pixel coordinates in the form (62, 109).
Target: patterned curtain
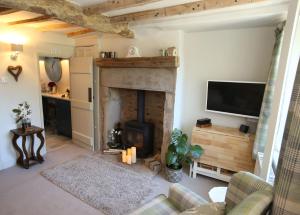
(262, 127)
(287, 180)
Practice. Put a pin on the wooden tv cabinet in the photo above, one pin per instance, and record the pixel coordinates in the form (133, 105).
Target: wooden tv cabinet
(226, 151)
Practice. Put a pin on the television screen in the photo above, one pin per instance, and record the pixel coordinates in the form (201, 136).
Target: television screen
(238, 98)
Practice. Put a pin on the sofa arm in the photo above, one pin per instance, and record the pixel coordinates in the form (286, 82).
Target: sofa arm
(183, 198)
(241, 185)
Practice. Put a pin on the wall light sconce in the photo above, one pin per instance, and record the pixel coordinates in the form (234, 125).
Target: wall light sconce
(16, 50)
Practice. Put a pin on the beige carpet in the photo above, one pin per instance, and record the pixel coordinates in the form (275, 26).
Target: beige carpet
(26, 192)
(109, 186)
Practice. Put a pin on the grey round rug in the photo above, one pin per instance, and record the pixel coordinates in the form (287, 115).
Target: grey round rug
(106, 185)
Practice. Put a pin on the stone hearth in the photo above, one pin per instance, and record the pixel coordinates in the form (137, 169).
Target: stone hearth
(118, 87)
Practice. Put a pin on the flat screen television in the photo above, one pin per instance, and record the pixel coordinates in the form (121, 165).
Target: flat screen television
(235, 98)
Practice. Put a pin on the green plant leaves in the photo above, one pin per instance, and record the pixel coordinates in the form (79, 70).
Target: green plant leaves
(175, 135)
(182, 148)
(179, 151)
(171, 158)
(196, 151)
(16, 111)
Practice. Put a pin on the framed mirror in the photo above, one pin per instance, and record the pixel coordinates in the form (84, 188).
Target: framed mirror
(53, 68)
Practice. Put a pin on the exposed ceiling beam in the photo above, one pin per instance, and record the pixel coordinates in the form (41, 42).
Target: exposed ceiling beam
(6, 11)
(32, 20)
(81, 32)
(115, 5)
(56, 26)
(192, 7)
(70, 13)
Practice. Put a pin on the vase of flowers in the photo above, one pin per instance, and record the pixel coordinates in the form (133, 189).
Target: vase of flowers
(115, 137)
(23, 115)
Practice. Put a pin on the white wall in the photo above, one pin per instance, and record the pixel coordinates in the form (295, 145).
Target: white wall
(64, 82)
(149, 42)
(237, 55)
(28, 87)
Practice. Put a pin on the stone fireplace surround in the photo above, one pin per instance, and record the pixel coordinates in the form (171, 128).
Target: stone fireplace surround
(159, 82)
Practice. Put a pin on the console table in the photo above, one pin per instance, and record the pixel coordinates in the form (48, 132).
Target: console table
(24, 134)
(226, 151)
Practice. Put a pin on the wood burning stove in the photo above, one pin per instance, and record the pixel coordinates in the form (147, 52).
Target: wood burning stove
(139, 133)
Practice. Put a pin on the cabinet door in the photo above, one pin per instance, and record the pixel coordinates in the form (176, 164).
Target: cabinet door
(63, 118)
(224, 151)
(81, 81)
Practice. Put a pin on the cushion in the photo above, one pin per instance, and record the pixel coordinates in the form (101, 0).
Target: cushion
(255, 204)
(206, 209)
(158, 206)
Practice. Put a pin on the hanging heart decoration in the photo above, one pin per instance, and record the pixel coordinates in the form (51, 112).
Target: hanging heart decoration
(15, 71)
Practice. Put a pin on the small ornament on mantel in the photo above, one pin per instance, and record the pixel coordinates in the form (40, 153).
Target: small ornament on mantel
(172, 51)
(133, 52)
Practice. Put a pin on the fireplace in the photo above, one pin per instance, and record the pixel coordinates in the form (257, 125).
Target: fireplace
(120, 79)
(139, 133)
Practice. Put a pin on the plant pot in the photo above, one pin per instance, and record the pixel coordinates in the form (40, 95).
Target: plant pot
(26, 123)
(174, 176)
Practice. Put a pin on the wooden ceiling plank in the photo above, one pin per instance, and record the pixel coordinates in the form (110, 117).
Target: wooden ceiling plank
(81, 32)
(115, 5)
(192, 7)
(6, 11)
(31, 20)
(57, 26)
(67, 12)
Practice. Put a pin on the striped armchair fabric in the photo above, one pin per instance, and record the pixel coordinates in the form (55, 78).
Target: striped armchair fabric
(246, 194)
(180, 198)
(243, 184)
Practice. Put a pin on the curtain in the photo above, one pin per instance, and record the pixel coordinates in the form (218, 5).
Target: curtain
(287, 180)
(266, 108)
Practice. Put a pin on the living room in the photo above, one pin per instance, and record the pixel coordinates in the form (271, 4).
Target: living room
(160, 78)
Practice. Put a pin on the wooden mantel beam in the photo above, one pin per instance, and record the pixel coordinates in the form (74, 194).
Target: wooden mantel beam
(69, 13)
(192, 7)
(115, 5)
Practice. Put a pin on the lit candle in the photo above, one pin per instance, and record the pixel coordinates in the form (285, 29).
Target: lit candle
(133, 154)
(129, 151)
(124, 156)
(128, 159)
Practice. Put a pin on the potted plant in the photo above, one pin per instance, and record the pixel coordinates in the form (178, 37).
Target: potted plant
(23, 114)
(180, 152)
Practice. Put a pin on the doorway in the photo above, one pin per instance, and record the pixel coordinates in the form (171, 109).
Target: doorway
(55, 92)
